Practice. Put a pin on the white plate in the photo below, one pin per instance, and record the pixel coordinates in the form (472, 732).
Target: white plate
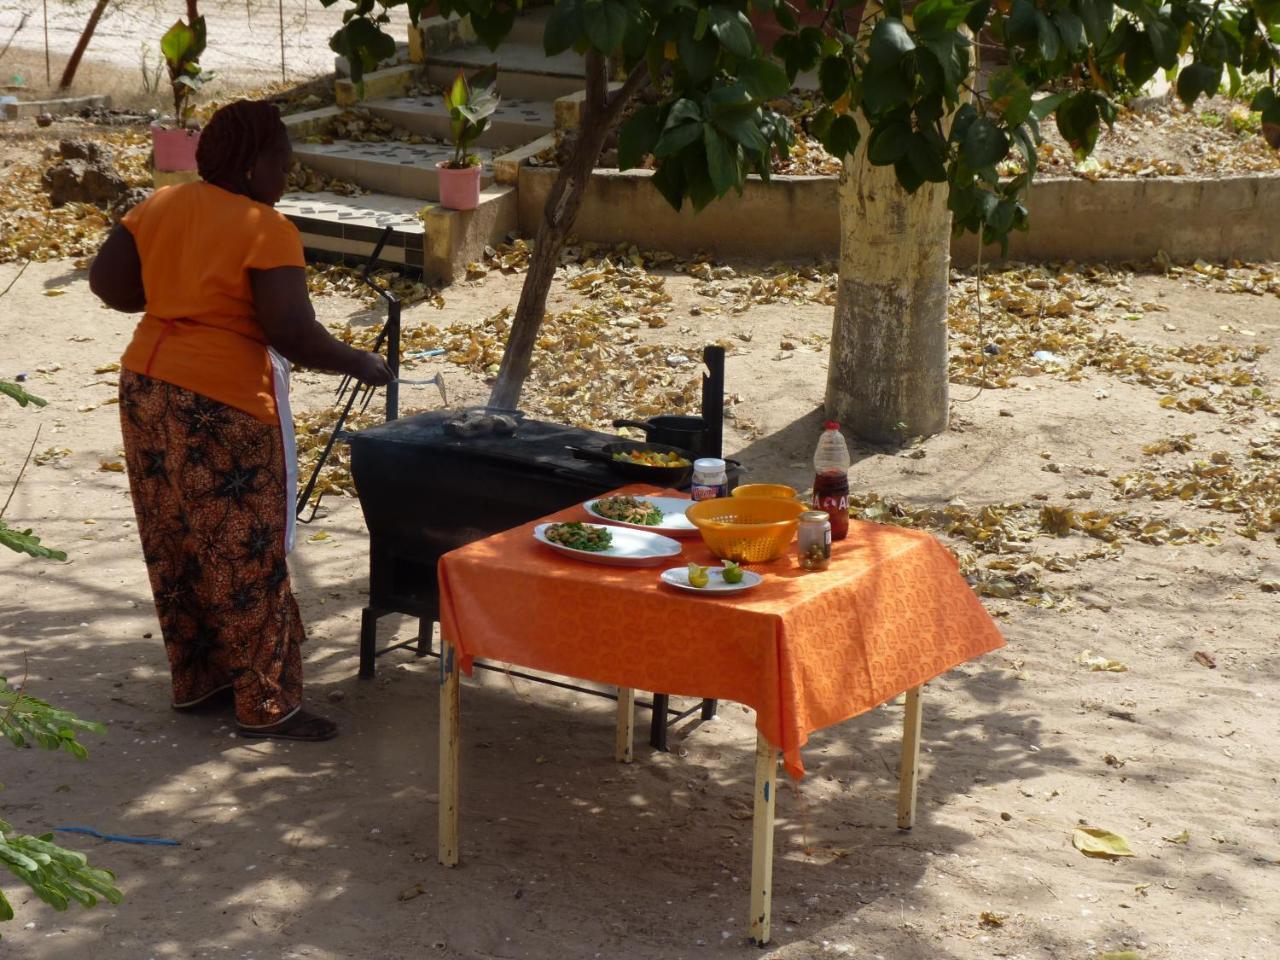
(679, 577)
(630, 548)
(674, 522)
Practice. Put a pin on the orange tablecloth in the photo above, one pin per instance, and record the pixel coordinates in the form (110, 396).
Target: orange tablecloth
(804, 649)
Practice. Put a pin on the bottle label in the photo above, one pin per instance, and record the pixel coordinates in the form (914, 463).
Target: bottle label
(838, 504)
(708, 491)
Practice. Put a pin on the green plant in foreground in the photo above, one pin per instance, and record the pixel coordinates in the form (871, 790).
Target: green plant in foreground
(57, 875)
(23, 541)
(471, 104)
(182, 45)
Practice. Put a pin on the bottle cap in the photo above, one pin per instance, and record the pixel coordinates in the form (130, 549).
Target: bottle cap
(708, 465)
(831, 425)
(815, 516)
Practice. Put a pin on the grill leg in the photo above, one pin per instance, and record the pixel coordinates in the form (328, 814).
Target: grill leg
(368, 641)
(658, 725)
(424, 635)
(708, 709)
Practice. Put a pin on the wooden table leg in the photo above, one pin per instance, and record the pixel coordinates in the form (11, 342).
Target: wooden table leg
(622, 749)
(450, 748)
(762, 840)
(909, 771)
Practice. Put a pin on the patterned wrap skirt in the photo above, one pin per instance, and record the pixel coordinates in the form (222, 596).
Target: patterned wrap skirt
(208, 487)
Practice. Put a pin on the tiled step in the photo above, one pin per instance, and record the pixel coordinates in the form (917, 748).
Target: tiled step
(343, 69)
(523, 69)
(514, 123)
(392, 167)
(350, 226)
(430, 238)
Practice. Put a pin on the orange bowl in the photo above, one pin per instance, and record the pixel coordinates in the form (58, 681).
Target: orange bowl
(747, 529)
(777, 490)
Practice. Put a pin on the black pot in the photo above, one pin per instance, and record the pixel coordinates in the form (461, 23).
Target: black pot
(677, 431)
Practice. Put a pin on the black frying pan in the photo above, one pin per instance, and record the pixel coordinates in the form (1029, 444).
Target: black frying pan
(660, 476)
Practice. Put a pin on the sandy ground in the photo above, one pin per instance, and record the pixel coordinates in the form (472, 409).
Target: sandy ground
(301, 850)
(244, 37)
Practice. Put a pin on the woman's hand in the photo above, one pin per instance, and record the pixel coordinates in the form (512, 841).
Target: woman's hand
(373, 369)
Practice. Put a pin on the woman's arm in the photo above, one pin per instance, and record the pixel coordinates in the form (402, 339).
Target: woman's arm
(115, 276)
(284, 309)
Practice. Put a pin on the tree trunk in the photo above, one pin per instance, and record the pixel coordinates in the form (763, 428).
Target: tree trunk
(887, 378)
(599, 111)
(69, 73)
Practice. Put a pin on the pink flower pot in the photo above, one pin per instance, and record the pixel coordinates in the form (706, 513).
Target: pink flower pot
(459, 189)
(174, 149)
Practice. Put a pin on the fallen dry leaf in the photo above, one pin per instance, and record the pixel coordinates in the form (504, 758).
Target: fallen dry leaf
(1097, 662)
(1096, 842)
(111, 466)
(1205, 660)
(1183, 837)
(989, 919)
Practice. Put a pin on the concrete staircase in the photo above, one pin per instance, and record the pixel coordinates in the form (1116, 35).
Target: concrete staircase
(401, 176)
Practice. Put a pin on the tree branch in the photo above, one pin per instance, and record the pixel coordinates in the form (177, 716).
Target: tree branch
(597, 78)
(21, 471)
(635, 82)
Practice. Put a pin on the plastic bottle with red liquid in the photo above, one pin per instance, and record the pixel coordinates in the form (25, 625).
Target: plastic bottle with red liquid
(831, 480)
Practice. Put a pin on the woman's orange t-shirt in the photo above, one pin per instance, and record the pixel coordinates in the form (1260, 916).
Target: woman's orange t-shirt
(197, 243)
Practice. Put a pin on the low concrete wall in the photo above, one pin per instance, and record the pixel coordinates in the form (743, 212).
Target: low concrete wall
(57, 108)
(1134, 219)
(790, 217)
(798, 217)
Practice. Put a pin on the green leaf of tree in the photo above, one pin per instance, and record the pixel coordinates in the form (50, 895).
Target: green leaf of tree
(1097, 16)
(722, 162)
(639, 135)
(1011, 96)
(605, 24)
(697, 57)
(683, 127)
(23, 541)
(890, 42)
(1164, 41)
(1079, 123)
(1048, 40)
(733, 30)
(763, 78)
(564, 28)
(984, 144)
(19, 393)
(834, 77)
(888, 143)
(842, 137)
(1196, 79)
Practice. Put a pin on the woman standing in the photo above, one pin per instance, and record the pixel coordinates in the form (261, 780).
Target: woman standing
(204, 410)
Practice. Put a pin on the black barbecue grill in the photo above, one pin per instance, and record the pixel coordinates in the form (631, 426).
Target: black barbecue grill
(425, 492)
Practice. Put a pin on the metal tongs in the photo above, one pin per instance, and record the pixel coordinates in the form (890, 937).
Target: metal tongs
(390, 335)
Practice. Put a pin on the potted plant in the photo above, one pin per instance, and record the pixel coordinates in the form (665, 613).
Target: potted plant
(470, 104)
(175, 147)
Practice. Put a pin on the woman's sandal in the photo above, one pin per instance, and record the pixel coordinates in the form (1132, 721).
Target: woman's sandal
(211, 701)
(302, 725)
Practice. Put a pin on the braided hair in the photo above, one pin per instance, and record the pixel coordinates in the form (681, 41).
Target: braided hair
(233, 139)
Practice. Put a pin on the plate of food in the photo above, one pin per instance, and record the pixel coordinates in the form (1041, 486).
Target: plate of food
(655, 514)
(616, 546)
(730, 578)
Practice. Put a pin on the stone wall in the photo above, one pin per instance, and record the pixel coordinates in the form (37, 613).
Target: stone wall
(797, 217)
